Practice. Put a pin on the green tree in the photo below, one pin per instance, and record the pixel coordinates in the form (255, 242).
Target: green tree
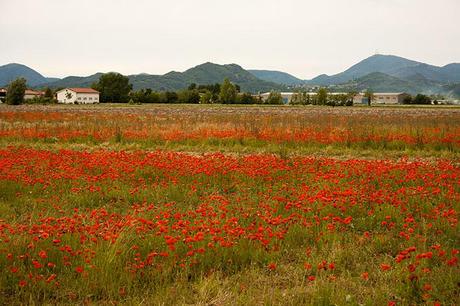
(113, 87)
(337, 100)
(370, 97)
(227, 93)
(321, 96)
(274, 98)
(189, 96)
(145, 96)
(308, 99)
(246, 98)
(407, 100)
(16, 91)
(48, 93)
(421, 99)
(298, 98)
(206, 97)
(350, 97)
(169, 97)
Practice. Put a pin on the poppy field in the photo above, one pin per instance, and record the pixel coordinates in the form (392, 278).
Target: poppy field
(229, 205)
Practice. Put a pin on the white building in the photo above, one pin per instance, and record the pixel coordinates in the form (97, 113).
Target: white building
(287, 96)
(359, 98)
(382, 98)
(78, 96)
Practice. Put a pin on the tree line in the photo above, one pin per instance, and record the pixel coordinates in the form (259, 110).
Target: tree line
(114, 87)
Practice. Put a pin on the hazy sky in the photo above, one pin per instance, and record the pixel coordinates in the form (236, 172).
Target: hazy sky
(302, 37)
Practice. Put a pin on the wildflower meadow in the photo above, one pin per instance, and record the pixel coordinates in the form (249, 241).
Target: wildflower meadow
(229, 205)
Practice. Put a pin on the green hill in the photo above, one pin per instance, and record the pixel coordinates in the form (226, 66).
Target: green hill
(395, 66)
(75, 81)
(453, 90)
(207, 73)
(11, 72)
(278, 77)
(381, 82)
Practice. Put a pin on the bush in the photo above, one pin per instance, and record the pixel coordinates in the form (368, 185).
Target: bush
(41, 100)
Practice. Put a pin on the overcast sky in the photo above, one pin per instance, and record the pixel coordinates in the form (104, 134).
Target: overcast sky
(302, 37)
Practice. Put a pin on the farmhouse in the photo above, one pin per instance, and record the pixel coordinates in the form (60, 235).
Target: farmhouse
(78, 96)
(30, 94)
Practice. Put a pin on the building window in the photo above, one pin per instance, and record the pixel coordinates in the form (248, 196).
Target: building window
(84, 98)
(90, 98)
(79, 98)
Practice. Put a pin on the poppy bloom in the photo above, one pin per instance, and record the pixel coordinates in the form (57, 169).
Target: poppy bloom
(42, 254)
(385, 267)
(37, 264)
(427, 287)
(51, 278)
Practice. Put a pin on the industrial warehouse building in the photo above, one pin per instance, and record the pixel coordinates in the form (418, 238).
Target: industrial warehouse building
(379, 98)
(382, 98)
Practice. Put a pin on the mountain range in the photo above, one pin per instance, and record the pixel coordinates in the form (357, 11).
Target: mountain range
(416, 74)
(379, 73)
(207, 73)
(384, 73)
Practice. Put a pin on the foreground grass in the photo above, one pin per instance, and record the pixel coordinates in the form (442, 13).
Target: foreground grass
(261, 229)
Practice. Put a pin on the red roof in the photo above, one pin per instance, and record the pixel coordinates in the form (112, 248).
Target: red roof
(33, 92)
(83, 90)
